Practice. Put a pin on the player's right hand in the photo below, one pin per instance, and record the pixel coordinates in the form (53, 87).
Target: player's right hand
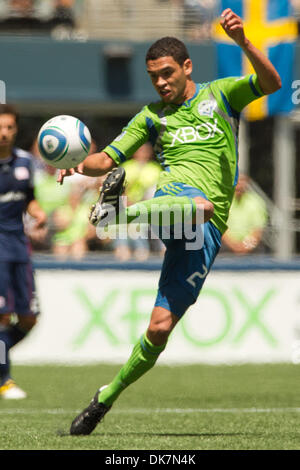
(71, 171)
(233, 26)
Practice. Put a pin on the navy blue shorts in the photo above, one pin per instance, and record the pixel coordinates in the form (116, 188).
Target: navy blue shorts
(185, 266)
(17, 288)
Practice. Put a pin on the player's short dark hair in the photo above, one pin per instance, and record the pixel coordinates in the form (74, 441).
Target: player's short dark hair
(168, 46)
(9, 109)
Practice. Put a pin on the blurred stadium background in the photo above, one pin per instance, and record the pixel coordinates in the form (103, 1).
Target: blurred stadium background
(86, 58)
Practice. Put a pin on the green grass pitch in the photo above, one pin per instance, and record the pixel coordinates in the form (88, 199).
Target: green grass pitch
(193, 407)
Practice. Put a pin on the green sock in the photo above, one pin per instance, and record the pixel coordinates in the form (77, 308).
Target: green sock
(142, 359)
(163, 210)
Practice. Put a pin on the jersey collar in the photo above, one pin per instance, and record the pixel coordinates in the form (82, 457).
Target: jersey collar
(9, 159)
(6, 160)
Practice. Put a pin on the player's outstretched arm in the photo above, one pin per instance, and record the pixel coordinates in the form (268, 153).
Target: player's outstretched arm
(268, 77)
(96, 164)
(34, 209)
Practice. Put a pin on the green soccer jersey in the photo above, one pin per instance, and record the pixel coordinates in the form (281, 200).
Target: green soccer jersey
(196, 142)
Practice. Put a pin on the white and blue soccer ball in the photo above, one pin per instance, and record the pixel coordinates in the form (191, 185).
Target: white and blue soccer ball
(64, 141)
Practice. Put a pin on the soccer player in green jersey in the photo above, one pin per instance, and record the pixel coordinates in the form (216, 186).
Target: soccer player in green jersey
(194, 130)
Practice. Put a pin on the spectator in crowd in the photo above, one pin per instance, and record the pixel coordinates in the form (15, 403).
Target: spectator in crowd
(63, 14)
(70, 222)
(141, 177)
(21, 8)
(48, 197)
(198, 16)
(50, 201)
(247, 220)
(31, 16)
(69, 232)
(20, 15)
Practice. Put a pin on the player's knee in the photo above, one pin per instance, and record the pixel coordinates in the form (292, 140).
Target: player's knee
(161, 324)
(158, 332)
(27, 322)
(158, 335)
(205, 208)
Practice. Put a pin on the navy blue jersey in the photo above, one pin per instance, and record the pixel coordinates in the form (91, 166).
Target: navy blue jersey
(16, 191)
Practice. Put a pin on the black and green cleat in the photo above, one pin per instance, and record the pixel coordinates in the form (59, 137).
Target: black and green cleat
(109, 202)
(88, 419)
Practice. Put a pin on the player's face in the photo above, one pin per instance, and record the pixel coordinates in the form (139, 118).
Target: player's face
(171, 80)
(8, 131)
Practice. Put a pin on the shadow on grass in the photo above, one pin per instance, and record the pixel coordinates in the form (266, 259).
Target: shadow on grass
(154, 434)
(169, 434)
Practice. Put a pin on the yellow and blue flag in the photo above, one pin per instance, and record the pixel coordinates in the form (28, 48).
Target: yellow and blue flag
(270, 26)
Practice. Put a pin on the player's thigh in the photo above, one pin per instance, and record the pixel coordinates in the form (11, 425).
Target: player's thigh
(26, 299)
(184, 272)
(6, 291)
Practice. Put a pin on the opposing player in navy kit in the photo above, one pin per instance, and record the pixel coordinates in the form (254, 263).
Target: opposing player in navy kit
(17, 289)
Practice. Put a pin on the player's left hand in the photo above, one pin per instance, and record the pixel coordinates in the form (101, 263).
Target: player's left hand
(71, 171)
(233, 26)
(40, 220)
(38, 231)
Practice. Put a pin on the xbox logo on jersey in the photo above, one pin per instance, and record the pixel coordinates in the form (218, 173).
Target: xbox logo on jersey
(204, 131)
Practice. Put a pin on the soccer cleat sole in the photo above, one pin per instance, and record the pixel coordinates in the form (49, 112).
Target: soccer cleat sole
(110, 192)
(113, 186)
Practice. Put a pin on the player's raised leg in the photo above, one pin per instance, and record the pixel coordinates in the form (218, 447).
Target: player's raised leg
(108, 209)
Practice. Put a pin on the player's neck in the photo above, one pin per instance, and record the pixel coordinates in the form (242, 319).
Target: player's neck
(5, 153)
(188, 93)
(191, 90)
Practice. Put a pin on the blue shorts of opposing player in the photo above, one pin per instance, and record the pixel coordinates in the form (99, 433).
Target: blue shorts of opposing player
(185, 268)
(17, 288)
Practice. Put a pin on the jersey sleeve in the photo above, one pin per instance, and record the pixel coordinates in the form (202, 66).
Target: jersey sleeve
(135, 134)
(240, 91)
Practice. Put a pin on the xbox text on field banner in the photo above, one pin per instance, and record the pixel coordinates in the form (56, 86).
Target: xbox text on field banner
(238, 317)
